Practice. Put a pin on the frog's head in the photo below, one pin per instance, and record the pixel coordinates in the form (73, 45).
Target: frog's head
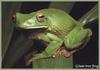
(51, 19)
(33, 20)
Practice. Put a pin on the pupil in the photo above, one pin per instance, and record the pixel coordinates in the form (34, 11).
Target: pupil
(41, 16)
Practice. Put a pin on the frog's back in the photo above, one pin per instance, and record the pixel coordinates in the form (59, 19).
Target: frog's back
(59, 15)
(61, 22)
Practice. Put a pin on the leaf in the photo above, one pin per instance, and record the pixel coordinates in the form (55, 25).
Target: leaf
(8, 9)
(7, 25)
(90, 16)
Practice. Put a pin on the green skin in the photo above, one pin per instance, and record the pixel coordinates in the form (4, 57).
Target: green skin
(61, 28)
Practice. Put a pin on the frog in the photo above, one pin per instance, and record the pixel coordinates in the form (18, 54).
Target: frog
(63, 33)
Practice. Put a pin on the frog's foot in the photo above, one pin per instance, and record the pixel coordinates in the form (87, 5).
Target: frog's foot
(57, 53)
(64, 52)
(67, 54)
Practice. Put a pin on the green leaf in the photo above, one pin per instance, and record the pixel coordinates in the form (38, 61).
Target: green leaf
(8, 10)
(7, 25)
(90, 16)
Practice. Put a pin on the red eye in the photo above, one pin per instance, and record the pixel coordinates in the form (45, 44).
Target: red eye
(14, 18)
(40, 17)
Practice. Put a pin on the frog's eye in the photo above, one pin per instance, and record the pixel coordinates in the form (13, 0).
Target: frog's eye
(40, 17)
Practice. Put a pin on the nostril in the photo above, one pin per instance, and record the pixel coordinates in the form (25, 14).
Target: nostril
(14, 18)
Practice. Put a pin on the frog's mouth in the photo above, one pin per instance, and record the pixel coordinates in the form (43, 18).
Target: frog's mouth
(37, 27)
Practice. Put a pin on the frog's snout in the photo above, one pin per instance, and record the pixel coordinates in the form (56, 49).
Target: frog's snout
(13, 18)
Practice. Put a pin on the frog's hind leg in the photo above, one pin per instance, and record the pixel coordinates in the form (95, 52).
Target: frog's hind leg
(77, 37)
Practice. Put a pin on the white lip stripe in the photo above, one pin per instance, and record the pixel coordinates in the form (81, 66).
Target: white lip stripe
(38, 27)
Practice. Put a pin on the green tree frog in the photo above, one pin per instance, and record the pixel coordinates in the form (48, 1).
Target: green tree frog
(60, 30)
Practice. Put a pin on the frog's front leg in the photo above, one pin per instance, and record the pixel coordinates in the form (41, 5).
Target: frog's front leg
(53, 46)
(77, 37)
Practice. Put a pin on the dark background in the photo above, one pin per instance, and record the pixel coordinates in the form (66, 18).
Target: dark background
(87, 56)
